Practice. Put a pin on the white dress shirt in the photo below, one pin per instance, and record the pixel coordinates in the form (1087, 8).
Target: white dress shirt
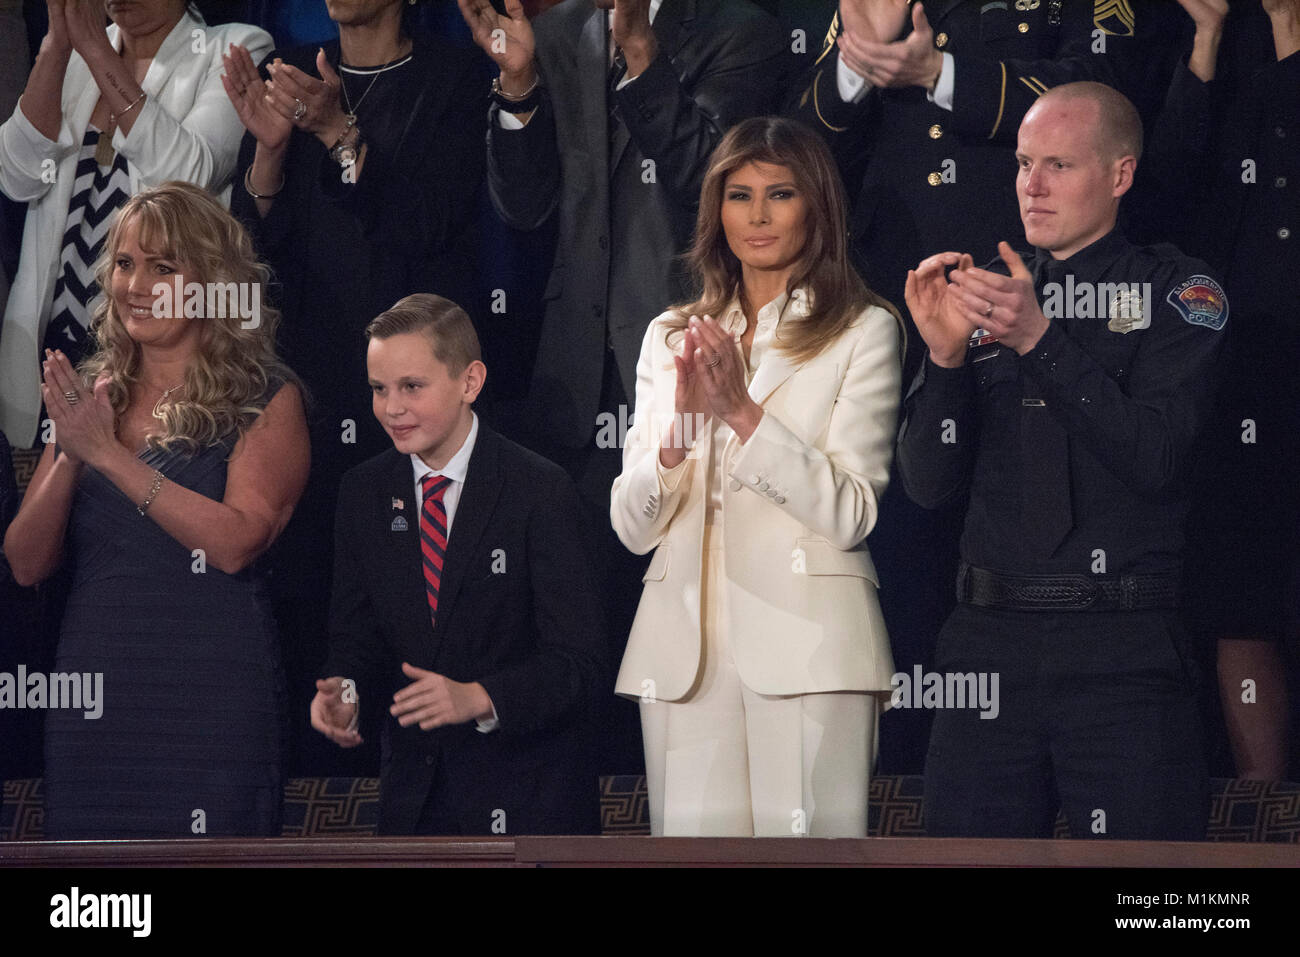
(456, 469)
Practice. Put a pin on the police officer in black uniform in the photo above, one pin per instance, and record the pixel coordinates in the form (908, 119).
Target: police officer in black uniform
(926, 143)
(1063, 392)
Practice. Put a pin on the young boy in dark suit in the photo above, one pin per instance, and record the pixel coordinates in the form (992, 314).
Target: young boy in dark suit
(462, 579)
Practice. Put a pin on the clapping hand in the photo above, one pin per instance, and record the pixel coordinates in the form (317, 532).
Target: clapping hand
(252, 100)
(507, 39)
(85, 424)
(914, 61)
(717, 362)
(310, 103)
(932, 301)
(1004, 305)
(332, 716)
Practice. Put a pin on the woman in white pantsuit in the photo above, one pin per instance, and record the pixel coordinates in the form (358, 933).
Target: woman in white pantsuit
(754, 468)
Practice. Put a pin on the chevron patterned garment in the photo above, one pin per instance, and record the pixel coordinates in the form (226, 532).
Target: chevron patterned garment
(97, 194)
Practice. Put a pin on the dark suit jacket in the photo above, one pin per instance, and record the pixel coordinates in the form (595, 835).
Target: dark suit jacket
(621, 223)
(517, 612)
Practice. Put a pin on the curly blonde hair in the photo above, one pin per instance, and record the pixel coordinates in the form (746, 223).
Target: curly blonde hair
(226, 384)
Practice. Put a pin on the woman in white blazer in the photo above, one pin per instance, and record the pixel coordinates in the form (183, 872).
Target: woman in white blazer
(754, 468)
(151, 83)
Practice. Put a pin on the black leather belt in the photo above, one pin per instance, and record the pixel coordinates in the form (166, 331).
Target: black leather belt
(987, 589)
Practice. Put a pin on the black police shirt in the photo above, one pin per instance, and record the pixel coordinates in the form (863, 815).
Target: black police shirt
(1075, 454)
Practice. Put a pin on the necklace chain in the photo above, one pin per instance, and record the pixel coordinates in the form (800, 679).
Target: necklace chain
(352, 110)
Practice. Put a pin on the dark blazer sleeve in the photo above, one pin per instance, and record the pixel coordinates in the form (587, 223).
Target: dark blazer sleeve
(567, 667)
(679, 128)
(524, 167)
(356, 645)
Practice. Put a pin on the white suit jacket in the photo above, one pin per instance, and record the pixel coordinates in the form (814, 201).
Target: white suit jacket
(798, 501)
(187, 130)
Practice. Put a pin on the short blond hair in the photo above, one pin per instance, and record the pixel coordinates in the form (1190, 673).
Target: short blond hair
(1119, 127)
(446, 325)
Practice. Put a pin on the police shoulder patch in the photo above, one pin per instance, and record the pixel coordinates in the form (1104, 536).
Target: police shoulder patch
(1201, 301)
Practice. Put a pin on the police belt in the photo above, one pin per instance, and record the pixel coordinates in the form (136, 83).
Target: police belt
(988, 589)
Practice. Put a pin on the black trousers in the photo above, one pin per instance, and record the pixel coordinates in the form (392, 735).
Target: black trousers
(1096, 713)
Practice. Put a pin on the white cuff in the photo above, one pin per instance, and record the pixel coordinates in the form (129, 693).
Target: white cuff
(942, 94)
(486, 725)
(852, 87)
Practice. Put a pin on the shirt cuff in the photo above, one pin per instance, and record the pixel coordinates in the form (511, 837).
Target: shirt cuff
(487, 725)
(941, 95)
(852, 87)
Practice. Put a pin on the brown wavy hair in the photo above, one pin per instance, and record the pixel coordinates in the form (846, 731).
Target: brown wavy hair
(225, 386)
(838, 294)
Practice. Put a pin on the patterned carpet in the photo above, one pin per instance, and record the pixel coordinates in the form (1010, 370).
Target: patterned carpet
(339, 807)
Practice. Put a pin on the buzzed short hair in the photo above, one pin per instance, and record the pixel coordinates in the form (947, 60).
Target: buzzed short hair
(1119, 125)
(446, 325)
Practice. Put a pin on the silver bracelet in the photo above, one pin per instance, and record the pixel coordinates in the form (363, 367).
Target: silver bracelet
(153, 492)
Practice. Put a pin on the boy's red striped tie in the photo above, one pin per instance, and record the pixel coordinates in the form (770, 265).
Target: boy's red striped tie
(433, 536)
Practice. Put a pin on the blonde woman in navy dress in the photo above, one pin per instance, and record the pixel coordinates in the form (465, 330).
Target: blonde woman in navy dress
(181, 451)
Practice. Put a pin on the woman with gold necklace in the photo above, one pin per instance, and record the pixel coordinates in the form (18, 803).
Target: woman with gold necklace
(105, 113)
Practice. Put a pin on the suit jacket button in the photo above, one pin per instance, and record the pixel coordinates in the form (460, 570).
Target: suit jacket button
(764, 486)
(934, 179)
(936, 131)
(735, 485)
(755, 479)
(941, 40)
(780, 500)
(428, 760)
(1023, 27)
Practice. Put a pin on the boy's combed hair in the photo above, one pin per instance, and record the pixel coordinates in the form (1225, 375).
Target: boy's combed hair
(446, 325)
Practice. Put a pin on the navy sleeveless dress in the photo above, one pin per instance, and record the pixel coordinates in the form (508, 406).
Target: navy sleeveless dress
(190, 736)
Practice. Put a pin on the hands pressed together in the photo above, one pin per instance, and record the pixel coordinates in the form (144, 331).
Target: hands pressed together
(869, 43)
(710, 381)
(85, 424)
(947, 310)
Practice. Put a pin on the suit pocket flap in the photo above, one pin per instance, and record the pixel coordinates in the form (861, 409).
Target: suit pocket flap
(658, 565)
(822, 558)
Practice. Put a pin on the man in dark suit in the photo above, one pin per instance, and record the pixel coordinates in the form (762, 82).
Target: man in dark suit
(463, 579)
(604, 115)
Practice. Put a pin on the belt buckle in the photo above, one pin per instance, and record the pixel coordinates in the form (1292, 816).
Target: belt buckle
(1090, 591)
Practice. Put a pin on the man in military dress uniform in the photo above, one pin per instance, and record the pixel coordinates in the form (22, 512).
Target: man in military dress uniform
(1063, 392)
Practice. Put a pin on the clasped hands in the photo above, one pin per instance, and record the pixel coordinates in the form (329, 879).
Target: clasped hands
(85, 424)
(710, 381)
(947, 310)
(78, 25)
(869, 43)
(430, 700)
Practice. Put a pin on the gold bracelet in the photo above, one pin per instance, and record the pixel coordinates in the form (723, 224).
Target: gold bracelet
(153, 492)
(114, 117)
(248, 186)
